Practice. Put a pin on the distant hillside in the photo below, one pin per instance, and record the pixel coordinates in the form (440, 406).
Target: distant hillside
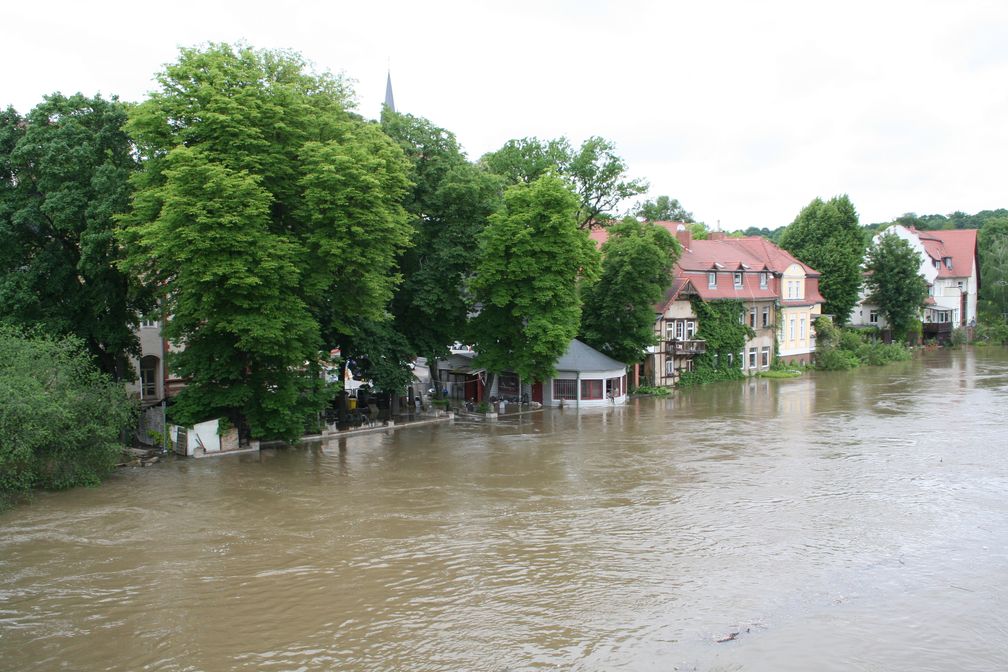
(956, 220)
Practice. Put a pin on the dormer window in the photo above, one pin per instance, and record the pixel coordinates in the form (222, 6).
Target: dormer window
(937, 264)
(738, 279)
(763, 279)
(948, 262)
(711, 279)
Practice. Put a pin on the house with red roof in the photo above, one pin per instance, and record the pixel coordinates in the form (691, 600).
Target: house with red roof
(950, 265)
(779, 294)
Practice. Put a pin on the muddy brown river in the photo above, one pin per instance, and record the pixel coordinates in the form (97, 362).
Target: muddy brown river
(839, 521)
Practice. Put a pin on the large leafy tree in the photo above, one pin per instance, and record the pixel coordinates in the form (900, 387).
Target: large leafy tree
(266, 214)
(593, 171)
(449, 205)
(64, 174)
(894, 283)
(531, 257)
(827, 237)
(618, 314)
(61, 419)
(993, 248)
(664, 208)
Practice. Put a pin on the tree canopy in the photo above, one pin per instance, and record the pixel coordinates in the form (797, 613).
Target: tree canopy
(64, 175)
(448, 205)
(827, 237)
(993, 262)
(619, 309)
(593, 171)
(61, 418)
(531, 256)
(664, 208)
(894, 283)
(266, 214)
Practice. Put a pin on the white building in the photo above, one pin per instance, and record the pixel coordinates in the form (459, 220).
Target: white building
(949, 264)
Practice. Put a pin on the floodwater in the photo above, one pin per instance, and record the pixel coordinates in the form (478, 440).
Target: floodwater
(841, 521)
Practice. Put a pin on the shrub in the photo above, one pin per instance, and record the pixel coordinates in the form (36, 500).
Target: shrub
(991, 334)
(835, 359)
(61, 420)
(656, 391)
(958, 337)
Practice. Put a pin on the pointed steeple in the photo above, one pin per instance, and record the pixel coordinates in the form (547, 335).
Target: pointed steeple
(389, 101)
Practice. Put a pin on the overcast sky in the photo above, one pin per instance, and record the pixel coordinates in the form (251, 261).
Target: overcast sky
(744, 111)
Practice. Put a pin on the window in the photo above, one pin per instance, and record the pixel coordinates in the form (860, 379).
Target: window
(149, 324)
(612, 388)
(737, 276)
(765, 357)
(679, 329)
(959, 284)
(148, 377)
(948, 262)
(937, 264)
(873, 317)
(690, 329)
(741, 318)
(591, 389)
(669, 367)
(801, 329)
(711, 279)
(752, 317)
(792, 329)
(766, 316)
(564, 389)
(763, 279)
(930, 290)
(752, 358)
(731, 359)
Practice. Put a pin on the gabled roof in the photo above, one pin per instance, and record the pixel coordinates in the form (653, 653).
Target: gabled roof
(753, 252)
(581, 357)
(957, 244)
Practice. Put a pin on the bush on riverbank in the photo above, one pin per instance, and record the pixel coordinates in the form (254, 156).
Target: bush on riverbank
(61, 419)
(991, 333)
(842, 349)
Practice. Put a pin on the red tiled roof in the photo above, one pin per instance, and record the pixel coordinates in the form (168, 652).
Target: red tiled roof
(755, 252)
(959, 244)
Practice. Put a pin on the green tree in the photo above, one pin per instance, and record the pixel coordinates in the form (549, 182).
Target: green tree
(594, 172)
(64, 171)
(665, 209)
(827, 237)
(449, 205)
(61, 418)
(531, 257)
(893, 281)
(618, 313)
(266, 214)
(993, 248)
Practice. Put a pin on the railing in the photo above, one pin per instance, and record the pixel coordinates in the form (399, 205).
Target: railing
(686, 347)
(935, 329)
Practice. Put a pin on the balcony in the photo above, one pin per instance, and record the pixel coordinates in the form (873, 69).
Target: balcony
(685, 348)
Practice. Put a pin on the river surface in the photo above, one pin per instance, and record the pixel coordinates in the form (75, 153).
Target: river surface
(839, 521)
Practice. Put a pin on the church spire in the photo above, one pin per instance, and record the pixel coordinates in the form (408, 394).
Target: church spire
(389, 101)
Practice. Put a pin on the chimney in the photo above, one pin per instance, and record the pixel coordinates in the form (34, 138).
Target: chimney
(717, 235)
(684, 236)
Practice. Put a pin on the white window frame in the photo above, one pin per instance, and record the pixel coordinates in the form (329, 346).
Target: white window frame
(791, 332)
(801, 329)
(690, 329)
(711, 279)
(752, 357)
(737, 279)
(765, 357)
(763, 280)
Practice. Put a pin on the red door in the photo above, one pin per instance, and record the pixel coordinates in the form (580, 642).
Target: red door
(537, 394)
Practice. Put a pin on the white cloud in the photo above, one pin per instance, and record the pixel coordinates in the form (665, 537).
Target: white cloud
(743, 111)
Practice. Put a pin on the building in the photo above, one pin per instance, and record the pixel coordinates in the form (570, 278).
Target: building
(779, 294)
(950, 265)
(584, 377)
